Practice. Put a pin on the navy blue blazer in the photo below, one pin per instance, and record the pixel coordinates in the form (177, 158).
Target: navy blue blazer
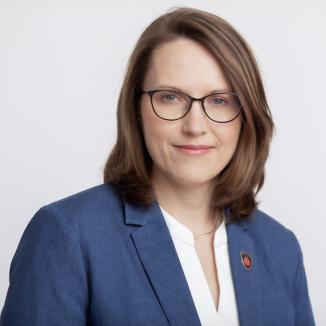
(94, 259)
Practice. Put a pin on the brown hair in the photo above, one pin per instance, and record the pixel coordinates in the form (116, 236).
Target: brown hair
(129, 165)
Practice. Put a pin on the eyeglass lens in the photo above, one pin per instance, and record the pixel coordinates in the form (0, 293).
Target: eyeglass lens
(173, 105)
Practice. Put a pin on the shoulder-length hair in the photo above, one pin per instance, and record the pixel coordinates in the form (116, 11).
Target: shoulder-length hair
(129, 165)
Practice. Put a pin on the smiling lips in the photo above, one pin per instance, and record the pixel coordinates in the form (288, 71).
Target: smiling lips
(195, 146)
(194, 149)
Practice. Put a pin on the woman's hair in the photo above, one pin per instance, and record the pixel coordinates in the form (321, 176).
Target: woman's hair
(129, 165)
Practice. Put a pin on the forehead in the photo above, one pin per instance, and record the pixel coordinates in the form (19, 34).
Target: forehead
(186, 64)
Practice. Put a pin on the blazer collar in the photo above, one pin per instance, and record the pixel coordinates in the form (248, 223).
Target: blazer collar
(156, 250)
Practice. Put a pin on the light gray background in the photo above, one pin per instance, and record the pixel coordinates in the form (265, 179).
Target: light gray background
(61, 67)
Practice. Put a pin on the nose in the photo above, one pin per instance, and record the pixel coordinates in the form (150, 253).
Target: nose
(195, 122)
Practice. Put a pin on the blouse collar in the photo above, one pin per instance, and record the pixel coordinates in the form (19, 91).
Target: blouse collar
(182, 233)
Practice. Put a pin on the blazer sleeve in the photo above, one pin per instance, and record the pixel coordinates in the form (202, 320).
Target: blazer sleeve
(47, 275)
(303, 309)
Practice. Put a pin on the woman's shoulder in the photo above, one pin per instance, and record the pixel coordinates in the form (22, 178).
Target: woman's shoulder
(262, 224)
(82, 210)
(262, 221)
(104, 194)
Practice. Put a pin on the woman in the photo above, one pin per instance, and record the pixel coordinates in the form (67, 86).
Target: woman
(174, 235)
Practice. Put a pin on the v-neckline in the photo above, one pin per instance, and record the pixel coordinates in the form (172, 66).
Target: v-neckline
(180, 232)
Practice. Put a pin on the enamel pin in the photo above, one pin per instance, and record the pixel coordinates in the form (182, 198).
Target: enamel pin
(246, 260)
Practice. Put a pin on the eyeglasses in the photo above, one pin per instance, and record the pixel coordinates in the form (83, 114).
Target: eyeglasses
(173, 105)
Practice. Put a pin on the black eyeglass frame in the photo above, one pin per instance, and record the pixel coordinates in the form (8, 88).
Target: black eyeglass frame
(192, 99)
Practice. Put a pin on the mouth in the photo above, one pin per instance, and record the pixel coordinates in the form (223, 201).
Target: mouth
(195, 146)
(194, 149)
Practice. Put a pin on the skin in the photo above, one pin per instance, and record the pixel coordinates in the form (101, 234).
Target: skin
(183, 183)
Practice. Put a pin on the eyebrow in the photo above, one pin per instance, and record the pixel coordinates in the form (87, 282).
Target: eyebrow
(181, 90)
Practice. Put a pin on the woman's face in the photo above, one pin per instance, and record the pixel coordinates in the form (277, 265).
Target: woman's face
(185, 64)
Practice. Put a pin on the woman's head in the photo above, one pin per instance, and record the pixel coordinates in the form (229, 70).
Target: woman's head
(186, 65)
(197, 52)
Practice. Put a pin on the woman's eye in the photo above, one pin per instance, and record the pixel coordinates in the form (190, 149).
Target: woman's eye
(218, 100)
(169, 97)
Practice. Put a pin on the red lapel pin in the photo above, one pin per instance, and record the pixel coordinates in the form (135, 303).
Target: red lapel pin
(246, 260)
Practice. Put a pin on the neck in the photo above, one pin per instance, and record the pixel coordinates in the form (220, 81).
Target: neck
(190, 205)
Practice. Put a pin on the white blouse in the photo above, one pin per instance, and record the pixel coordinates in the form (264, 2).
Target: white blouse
(184, 243)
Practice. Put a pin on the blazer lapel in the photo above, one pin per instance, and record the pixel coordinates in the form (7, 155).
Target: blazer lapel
(156, 250)
(247, 281)
(160, 260)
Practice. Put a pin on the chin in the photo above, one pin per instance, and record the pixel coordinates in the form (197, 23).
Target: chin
(191, 180)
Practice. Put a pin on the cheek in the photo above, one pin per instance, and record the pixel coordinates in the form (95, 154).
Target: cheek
(156, 134)
(228, 134)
